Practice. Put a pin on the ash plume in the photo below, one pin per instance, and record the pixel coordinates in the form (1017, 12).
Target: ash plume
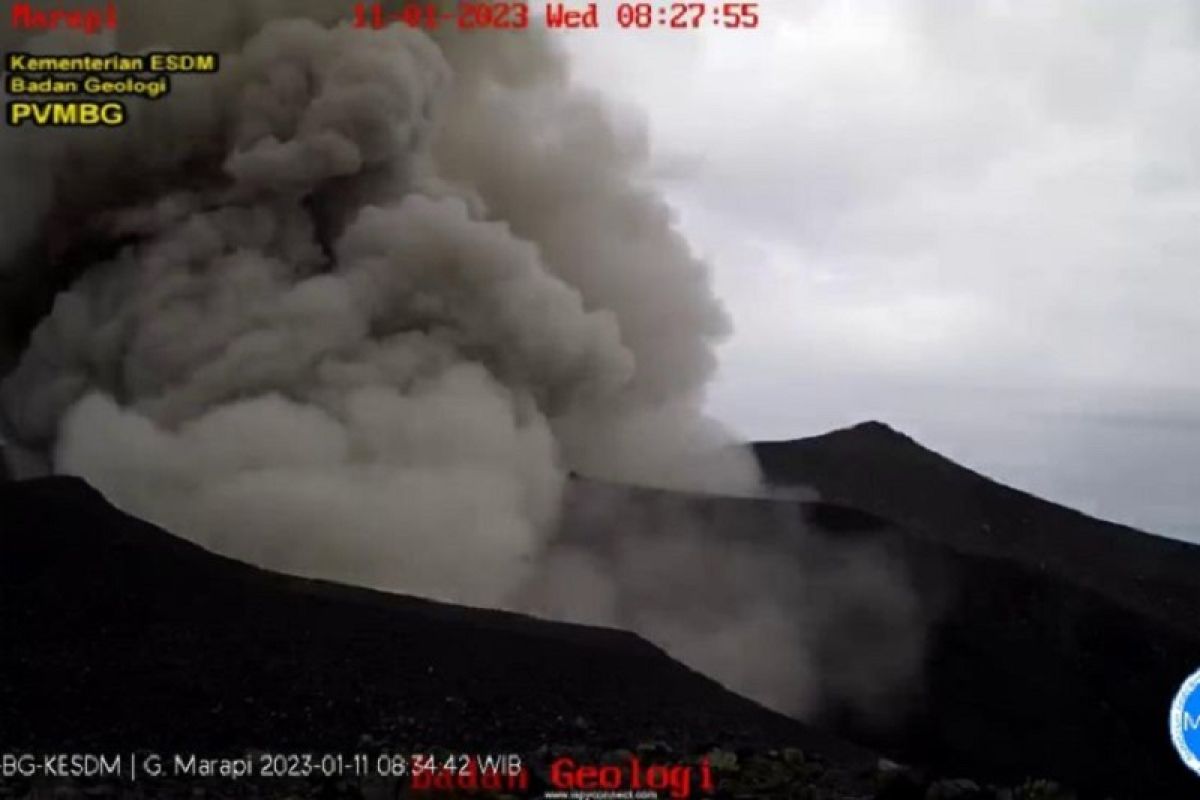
(354, 306)
(746, 590)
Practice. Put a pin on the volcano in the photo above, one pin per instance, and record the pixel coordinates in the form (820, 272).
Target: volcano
(880, 470)
(1055, 641)
(118, 637)
(1061, 639)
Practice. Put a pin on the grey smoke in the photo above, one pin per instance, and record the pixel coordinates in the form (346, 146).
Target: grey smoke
(743, 589)
(370, 296)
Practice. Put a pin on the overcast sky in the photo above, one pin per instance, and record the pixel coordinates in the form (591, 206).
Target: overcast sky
(977, 221)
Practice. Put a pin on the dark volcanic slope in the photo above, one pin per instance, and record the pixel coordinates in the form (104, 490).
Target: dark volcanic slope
(1065, 637)
(1026, 674)
(116, 635)
(875, 468)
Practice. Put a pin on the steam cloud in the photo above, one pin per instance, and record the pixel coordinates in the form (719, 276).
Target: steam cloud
(365, 298)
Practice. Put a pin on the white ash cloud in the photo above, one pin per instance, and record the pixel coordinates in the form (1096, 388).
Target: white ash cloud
(365, 298)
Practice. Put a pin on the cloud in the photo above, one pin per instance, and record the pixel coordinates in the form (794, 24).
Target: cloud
(912, 207)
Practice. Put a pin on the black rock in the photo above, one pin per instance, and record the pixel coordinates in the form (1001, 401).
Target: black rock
(118, 635)
(1061, 639)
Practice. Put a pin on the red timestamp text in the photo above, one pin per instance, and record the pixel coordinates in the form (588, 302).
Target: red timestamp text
(431, 16)
(493, 15)
(688, 15)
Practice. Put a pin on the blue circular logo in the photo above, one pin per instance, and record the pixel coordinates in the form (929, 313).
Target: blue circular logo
(1185, 722)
